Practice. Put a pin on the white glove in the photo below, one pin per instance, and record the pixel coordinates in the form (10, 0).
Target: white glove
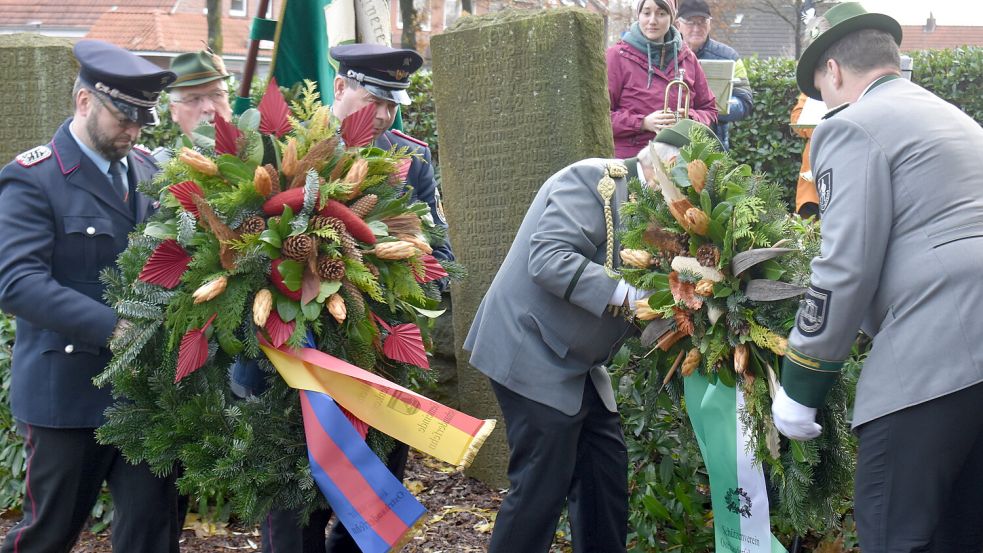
(626, 293)
(793, 419)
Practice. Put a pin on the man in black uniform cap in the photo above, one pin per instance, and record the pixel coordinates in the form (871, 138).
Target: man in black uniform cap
(66, 208)
(368, 74)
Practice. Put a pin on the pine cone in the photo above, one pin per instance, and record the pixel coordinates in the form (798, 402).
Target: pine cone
(372, 269)
(274, 178)
(330, 269)
(364, 205)
(253, 225)
(691, 363)
(298, 247)
(354, 298)
(708, 255)
(348, 243)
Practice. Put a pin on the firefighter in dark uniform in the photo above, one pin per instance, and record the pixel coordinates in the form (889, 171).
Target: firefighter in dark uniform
(66, 208)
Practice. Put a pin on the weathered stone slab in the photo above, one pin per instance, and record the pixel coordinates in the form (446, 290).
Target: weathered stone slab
(35, 92)
(519, 95)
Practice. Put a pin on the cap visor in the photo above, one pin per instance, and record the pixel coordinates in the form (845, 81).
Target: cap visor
(398, 96)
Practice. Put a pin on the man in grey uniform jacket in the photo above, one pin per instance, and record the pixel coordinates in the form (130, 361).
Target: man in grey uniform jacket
(552, 317)
(902, 254)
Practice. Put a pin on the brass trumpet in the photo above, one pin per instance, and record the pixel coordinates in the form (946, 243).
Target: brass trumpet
(682, 96)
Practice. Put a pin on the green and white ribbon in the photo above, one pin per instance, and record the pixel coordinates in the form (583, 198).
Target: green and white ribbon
(737, 483)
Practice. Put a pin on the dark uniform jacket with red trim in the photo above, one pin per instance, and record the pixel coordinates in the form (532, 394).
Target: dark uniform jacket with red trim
(543, 325)
(420, 180)
(62, 224)
(902, 253)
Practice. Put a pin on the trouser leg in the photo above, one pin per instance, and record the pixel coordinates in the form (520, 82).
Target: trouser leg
(598, 501)
(144, 508)
(543, 451)
(281, 531)
(65, 471)
(909, 465)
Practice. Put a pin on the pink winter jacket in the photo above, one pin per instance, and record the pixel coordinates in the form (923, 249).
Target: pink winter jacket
(631, 101)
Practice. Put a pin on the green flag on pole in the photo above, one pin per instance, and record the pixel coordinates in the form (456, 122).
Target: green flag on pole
(307, 29)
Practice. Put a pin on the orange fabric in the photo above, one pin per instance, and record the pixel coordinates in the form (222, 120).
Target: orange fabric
(806, 190)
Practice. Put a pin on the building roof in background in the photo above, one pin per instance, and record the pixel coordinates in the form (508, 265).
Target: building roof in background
(756, 32)
(932, 37)
(78, 14)
(158, 31)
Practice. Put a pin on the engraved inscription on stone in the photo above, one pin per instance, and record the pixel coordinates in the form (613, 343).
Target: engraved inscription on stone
(519, 95)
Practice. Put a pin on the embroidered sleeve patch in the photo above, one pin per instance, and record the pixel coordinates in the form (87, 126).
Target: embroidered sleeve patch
(824, 186)
(34, 156)
(813, 311)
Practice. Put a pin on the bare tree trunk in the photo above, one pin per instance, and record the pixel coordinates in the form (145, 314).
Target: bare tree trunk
(215, 25)
(408, 13)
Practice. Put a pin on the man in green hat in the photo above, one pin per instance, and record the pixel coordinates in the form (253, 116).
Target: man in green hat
(897, 171)
(200, 92)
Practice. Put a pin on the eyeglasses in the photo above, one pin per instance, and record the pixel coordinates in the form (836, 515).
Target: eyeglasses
(696, 22)
(122, 120)
(195, 100)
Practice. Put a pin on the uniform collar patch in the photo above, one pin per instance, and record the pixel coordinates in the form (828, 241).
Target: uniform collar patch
(824, 187)
(33, 156)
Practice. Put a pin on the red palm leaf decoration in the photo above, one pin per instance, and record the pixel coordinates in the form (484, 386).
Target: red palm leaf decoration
(360, 426)
(357, 129)
(166, 265)
(273, 111)
(185, 193)
(193, 351)
(279, 331)
(432, 270)
(226, 136)
(402, 170)
(405, 344)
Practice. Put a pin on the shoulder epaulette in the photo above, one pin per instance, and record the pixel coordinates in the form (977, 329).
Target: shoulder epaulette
(33, 156)
(410, 138)
(617, 169)
(143, 149)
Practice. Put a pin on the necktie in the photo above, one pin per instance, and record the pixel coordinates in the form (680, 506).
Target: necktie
(116, 173)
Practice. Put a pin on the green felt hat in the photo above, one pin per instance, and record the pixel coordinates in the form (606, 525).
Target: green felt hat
(197, 68)
(678, 134)
(823, 31)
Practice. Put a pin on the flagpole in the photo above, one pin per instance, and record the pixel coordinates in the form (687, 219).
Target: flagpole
(242, 102)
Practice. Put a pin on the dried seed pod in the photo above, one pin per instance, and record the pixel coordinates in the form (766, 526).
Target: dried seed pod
(697, 172)
(198, 162)
(336, 306)
(704, 287)
(288, 163)
(417, 242)
(210, 290)
(262, 306)
(356, 176)
(274, 178)
(262, 182)
(698, 222)
(640, 259)
(394, 250)
(691, 363)
(740, 358)
(643, 312)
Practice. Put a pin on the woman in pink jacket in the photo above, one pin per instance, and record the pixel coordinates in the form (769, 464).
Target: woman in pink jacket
(640, 67)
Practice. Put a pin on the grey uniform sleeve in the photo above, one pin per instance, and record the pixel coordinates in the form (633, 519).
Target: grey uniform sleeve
(569, 234)
(855, 190)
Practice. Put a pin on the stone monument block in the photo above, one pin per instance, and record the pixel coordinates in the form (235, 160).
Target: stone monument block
(519, 95)
(35, 92)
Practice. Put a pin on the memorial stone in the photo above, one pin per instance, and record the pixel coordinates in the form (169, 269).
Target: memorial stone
(519, 95)
(35, 92)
